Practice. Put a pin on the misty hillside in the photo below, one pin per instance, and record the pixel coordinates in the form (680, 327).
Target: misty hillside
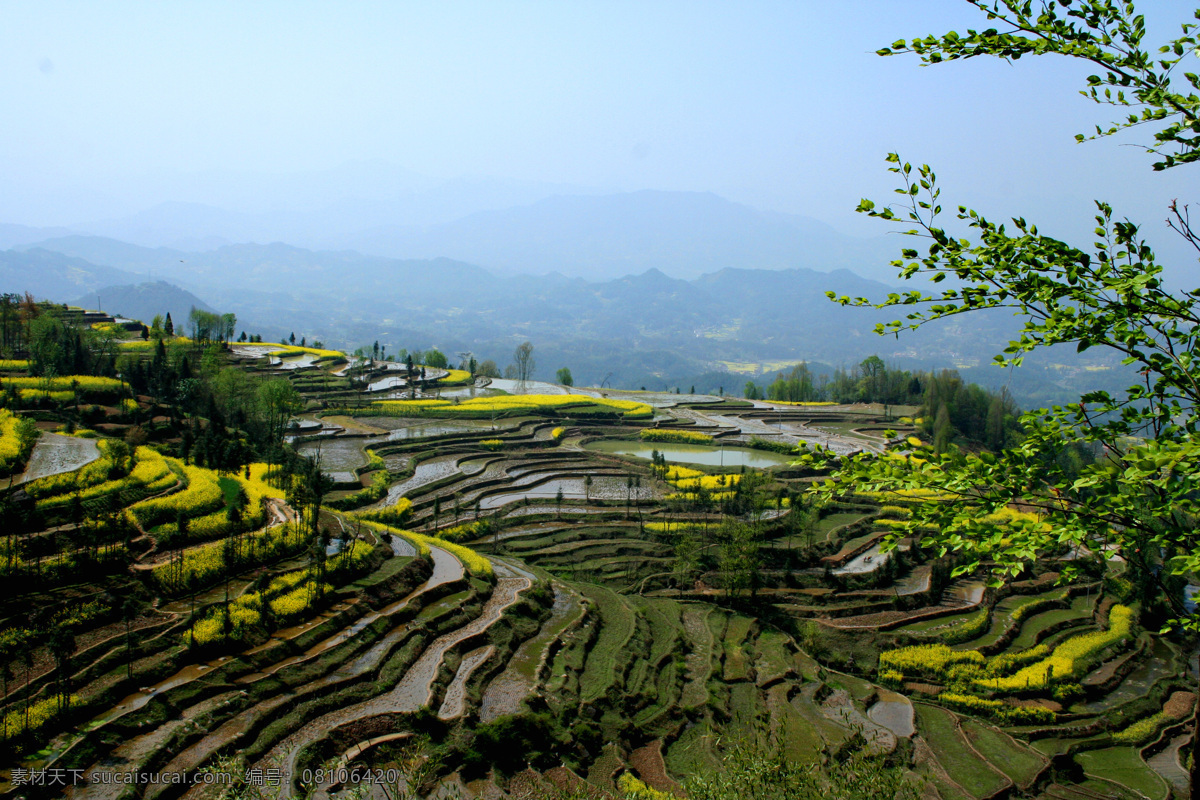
(143, 301)
(53, 275)
(15, 235)
(274, 267)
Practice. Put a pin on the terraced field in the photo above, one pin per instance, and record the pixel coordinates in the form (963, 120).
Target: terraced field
(476, 582)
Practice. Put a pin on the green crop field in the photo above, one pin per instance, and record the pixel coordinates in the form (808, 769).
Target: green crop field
(1123, 766)
(954, 753)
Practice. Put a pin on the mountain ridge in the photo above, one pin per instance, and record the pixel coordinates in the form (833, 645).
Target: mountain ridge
(595, 235)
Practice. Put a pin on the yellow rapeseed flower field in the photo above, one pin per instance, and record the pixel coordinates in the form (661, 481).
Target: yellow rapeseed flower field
(927, 659)
(290, 350)
(396, 514)
(146, 345)
(17, 436)
(675, 473)
(40, 714)
(715, 483)
(150, 475)
(217, 524)
(666, 435)
(512, 404)
(476, 564)
(260, 479)
(202, 495)
(635, 789)
(421, 543)
(803, 402)
(86, 385)
(206, 564)
(1068, 658)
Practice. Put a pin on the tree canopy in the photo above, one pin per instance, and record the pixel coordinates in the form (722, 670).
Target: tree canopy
(1139, 497)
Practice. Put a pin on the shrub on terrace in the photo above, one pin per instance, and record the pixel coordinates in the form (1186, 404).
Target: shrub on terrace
(64, 567)
(975, 626)
(758, 443)
(75, 617)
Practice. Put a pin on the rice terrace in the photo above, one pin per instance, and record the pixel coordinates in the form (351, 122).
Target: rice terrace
(534, 592)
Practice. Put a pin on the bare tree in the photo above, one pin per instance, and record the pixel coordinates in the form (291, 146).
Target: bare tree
(523, 362)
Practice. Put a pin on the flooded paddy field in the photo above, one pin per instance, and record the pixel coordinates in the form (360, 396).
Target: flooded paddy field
(403, 429)
(55, 454)
(714, 456)
(339, 457)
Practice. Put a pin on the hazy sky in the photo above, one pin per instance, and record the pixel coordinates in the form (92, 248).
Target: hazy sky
(112, 107)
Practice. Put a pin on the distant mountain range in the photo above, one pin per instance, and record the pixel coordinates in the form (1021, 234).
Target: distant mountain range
(684, 234)
(681, 287)
(14, 235)
(315, 208)
(49, 274)
(594, 236)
